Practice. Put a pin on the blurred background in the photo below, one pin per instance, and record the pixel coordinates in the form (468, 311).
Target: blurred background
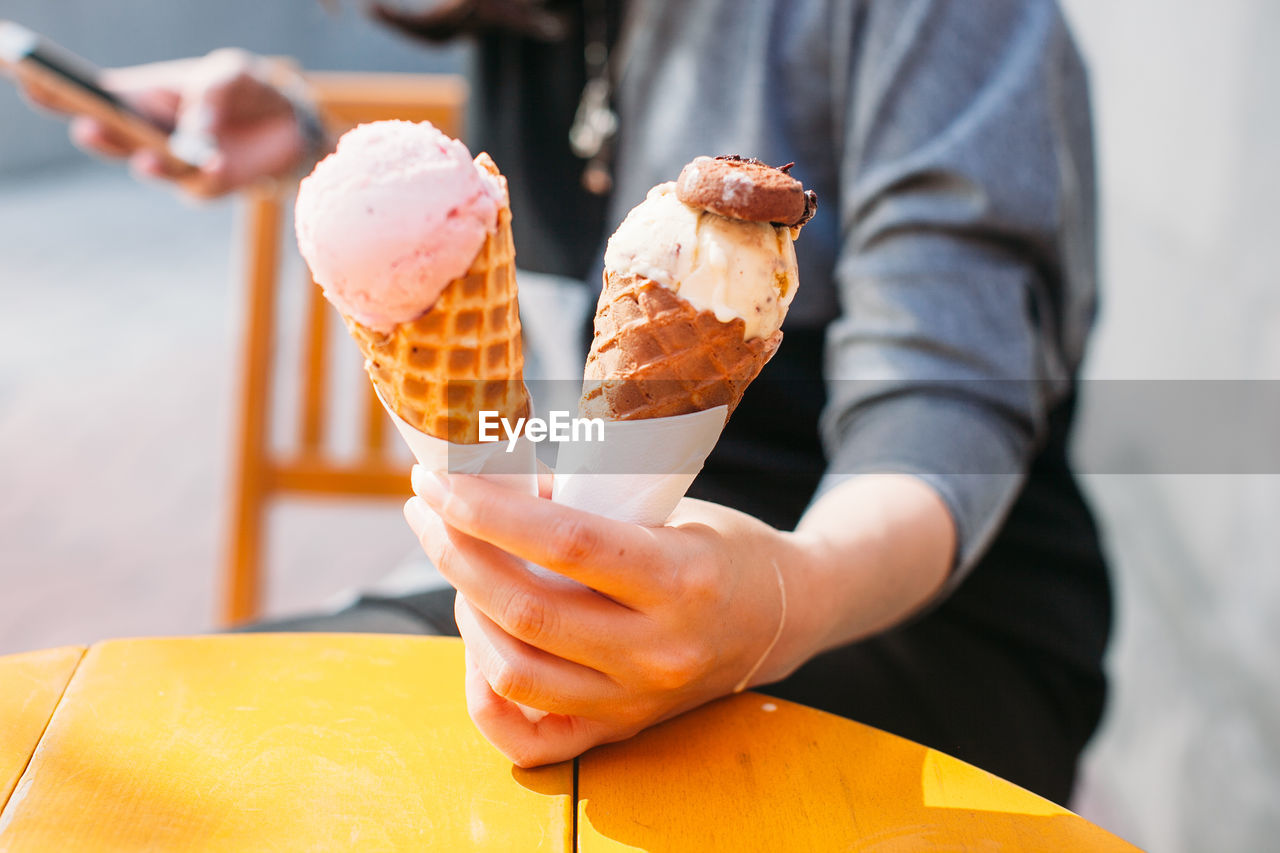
(119, 344)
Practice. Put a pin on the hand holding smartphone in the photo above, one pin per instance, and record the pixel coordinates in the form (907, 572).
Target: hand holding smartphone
(75, 84)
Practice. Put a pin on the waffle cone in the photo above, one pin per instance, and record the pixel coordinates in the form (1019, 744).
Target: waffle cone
(655, 355)
(463, 356)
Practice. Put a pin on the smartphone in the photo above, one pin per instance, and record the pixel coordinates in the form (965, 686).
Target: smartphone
(32, 59)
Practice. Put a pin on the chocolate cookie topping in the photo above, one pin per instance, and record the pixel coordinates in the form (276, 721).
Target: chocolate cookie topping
(746, 188)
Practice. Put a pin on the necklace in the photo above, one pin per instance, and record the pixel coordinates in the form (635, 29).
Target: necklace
(595, 124)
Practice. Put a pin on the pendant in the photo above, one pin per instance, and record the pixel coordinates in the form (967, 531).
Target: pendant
(595, 122)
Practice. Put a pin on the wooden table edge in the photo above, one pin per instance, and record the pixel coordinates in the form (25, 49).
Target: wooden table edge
(17, 782)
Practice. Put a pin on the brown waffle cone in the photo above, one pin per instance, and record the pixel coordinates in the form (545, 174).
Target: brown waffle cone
(462, 356)
(655, 355)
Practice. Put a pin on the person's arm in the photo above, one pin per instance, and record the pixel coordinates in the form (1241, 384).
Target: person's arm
(961, 147)
(966, 270)
(236, 100)
(876, 547)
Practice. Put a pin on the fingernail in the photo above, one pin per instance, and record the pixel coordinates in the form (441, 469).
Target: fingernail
(431, 486)
(417, 513)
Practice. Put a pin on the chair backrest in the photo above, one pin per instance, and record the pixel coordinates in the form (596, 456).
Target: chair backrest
(263, 472)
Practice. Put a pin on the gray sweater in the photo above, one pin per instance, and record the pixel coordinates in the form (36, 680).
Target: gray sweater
(951, 263)
(952, 260)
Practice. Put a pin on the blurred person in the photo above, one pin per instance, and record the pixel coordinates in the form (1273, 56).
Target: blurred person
(889, 528)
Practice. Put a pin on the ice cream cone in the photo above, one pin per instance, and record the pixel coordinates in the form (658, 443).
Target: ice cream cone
(462, 356)
(697, 281)
(410, 238)
(655, 355)
(695, 294)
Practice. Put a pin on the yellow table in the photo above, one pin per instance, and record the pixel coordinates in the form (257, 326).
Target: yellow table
(348, 742)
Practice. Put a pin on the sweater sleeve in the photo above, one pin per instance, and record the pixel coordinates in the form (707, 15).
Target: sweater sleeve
(966, 264)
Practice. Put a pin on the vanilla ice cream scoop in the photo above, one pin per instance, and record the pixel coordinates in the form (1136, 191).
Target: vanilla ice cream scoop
(397, 212)
(731, 267)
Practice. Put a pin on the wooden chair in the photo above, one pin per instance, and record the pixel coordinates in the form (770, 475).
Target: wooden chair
(262, 473)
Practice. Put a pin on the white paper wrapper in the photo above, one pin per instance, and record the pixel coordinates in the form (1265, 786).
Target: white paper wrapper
(642, 468)
(515, 470)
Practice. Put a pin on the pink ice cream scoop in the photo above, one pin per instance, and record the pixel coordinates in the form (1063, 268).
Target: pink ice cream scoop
(397, 212)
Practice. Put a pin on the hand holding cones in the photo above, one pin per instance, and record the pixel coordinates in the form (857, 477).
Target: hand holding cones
(411, 241)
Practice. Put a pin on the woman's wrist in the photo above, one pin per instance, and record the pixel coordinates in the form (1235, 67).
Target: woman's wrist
(801, 565)
(869, 554)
